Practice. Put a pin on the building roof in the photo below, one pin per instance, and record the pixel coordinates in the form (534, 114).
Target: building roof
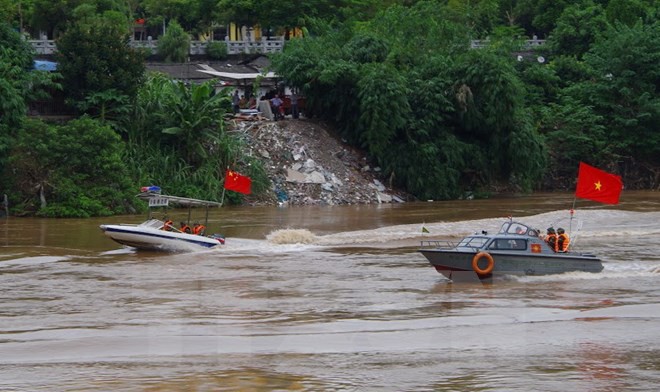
(231, 71)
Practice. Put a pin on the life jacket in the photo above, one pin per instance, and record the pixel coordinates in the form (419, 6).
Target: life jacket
(562, 243)
(551, 240)
(186, 229)
(167, 226)
(199, 229)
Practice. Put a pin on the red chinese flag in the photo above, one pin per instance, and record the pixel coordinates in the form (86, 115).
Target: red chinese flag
(597, 185)
(238, 183)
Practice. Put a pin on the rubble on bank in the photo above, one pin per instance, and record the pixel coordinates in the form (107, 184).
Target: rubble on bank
(308, 166)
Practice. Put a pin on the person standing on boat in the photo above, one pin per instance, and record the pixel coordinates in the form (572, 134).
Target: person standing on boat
(562, 241)
(551, 238)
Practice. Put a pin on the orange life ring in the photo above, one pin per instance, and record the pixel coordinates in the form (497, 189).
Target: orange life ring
(489, 267)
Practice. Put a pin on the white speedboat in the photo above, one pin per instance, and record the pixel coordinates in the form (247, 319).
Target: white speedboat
(151, 235)
(154, 234)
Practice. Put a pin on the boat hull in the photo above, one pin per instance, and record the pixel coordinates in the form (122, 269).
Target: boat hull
(146, 238)
(457, 264)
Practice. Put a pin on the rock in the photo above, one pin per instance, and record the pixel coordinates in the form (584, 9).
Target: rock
(295, 176)
(384, 198)
(378, 185)
(315, 178)
(309, 165)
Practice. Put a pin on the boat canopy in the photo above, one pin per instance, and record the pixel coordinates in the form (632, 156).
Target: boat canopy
(156, 199)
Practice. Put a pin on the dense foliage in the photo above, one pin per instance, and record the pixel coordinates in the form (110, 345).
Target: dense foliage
(19, 85)
(100, 70)
(396, 77)
(177, 139)
(443, 120)
(173, 46)
(74, 170)
(438, 117)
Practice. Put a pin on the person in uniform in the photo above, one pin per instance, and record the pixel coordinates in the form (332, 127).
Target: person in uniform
(198, 229)
(551, 238)
(185, 228)
(562, 241)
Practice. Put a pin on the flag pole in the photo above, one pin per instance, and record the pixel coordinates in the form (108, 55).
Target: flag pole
(572, 212)
(570, 222)
(222, 198)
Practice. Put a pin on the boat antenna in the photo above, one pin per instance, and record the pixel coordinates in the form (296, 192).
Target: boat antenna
(572, 212)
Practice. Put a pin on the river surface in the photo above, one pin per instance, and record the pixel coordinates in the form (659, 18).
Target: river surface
(331, 299)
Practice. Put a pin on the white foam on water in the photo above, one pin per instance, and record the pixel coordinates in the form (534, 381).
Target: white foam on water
(33, 260)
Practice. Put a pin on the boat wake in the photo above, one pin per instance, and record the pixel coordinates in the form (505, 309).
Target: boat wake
(292, 236)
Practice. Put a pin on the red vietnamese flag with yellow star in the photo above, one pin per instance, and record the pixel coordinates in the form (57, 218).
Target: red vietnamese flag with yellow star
(238, 183)
(597, 185)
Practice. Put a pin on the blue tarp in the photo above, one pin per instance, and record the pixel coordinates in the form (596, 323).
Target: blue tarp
(43, 65)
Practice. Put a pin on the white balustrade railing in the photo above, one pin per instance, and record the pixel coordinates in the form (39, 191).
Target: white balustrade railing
(196, 47)
(236, 47)
(526, 45)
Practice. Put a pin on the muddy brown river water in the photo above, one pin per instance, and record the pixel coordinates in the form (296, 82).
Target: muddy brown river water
(330, 298)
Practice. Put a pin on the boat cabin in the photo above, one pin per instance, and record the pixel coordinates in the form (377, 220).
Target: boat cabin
(513, 236)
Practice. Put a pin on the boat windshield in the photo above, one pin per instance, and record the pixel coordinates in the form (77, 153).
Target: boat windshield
(153, 223)
(473, 242)
(518, 228)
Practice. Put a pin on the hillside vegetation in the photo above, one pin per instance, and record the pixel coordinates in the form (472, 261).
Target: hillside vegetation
(397, 79)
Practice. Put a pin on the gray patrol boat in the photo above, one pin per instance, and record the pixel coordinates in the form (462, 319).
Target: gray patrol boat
(516, 249)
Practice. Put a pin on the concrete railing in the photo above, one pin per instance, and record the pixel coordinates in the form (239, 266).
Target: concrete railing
(43, 46)
(272, 45)
(526, 45)
(196, 47)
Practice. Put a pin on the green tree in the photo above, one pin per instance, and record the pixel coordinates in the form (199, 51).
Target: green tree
(72, 170)
(15, 61)
(186, 13)
(19, 85)
(174, 45)
(627, 12)
(624, 89)
(479, 16)
(52, 16)
(94, 56)
(196, 121)
(242, 12)
(383, 107)
(148, 110)
(577, 29)
(546, 14)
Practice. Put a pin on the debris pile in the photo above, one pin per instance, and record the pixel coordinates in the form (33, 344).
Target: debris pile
(308, 166)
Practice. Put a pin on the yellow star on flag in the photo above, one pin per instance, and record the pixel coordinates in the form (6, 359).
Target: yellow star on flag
(598, 185)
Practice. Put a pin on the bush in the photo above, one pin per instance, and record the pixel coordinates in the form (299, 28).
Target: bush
(217, 50)
(174, 45)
